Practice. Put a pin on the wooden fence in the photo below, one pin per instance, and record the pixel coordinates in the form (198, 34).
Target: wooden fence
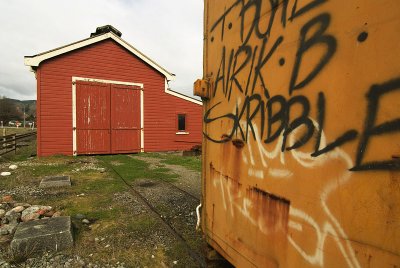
(9, 143)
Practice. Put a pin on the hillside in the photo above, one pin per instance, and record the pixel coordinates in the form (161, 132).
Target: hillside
(12, 109)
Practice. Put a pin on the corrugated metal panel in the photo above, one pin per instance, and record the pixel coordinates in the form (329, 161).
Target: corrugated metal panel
(302, 128)
(107, 60)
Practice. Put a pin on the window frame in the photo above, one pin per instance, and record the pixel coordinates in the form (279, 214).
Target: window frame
(181, 131)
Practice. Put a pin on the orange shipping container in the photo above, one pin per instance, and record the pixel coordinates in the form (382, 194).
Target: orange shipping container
(301, 147)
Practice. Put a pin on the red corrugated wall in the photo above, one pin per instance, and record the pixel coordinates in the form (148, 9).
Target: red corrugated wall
(109, 61)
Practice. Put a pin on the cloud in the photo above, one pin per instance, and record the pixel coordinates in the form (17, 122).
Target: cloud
(169, 32)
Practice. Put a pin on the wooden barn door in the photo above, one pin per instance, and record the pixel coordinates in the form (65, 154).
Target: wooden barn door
(125, 119)
(93, 118)
(107, 118)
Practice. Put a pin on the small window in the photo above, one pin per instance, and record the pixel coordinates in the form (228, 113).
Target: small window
(181, 122)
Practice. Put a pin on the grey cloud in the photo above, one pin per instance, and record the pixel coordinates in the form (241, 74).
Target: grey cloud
(169, 32)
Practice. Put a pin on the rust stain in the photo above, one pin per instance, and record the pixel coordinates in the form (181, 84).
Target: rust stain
(272, 211)
(225, 137)
(214, 172)
(237, 163)
(238, 143)
(232, 184)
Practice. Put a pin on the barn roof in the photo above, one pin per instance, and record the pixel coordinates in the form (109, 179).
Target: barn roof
(35, 60)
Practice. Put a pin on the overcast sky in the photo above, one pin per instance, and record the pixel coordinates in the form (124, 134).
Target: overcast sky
(170, 32)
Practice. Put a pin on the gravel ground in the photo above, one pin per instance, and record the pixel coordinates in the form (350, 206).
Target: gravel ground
(59, 261)
(176, 208)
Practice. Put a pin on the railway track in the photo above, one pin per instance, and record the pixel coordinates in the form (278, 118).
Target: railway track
(200, 260)
(181, 190)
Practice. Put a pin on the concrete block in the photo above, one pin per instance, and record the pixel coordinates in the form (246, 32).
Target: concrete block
(55, 181)
(34, 237)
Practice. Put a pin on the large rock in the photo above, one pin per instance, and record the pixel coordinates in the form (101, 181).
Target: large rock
(34, 237)
(55, 181)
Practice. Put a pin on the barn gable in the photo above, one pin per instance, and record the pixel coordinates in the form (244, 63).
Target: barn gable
(35, 60)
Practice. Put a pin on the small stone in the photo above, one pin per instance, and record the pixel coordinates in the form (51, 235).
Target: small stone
(34, 212)
(4, 264)
(85, 221)
(30, 214)
(3, 230)
(2, 213)
(80, 216)
(107, 246)
(41, 212)
(175, 262)
(13, 167)
(49, 213)
(12, 217)
(152, 256)
(8, 229)
(18, 209)
(7, 199)
(96, 239)
(5, 173)
(25, 205)
(30, 217)
(56, 214)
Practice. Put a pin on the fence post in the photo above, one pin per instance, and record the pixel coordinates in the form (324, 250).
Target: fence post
(15, 143)
(3, 146)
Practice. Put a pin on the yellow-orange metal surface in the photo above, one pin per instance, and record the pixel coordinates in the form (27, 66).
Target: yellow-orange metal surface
(302, 132)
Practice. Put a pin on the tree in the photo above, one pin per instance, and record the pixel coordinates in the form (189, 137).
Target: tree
(8, 110)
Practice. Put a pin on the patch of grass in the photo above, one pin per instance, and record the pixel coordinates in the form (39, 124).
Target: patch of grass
(103, 186)
(131, 169)
(143, 223)
(13, 130)
(190, 162)
(23, 153)
(49, 170)
(153, 155)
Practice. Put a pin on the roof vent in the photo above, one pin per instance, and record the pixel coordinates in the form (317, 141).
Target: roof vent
(106, 29)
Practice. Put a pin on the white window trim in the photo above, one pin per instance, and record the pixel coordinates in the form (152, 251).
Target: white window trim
(75, 79)
(182, 133)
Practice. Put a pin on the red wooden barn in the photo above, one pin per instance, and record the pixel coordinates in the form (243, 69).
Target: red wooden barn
(100, 95)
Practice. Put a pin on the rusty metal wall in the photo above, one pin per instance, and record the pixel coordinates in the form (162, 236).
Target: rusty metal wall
(302, 132)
